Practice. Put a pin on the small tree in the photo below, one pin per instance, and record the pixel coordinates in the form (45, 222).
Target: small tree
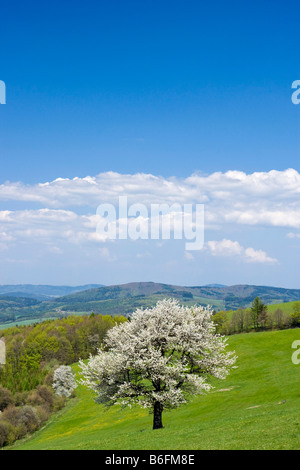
(159, 359)
(221, 322)
(278, 318)
(237, 321)
(263, 317)
(258, 310)
(63, 381)
(295, 315)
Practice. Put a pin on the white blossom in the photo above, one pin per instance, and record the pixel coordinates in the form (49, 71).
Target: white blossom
(63, 381)
(162, 355)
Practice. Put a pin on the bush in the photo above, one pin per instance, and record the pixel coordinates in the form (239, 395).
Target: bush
(46, 394)
(7, 435)
(16, 422)
(59, 403)
(28, 417)
(41, 396)
(49, 378)
(34, 410)
(21, 398)
(34, 399)
(6, 398)
(10, 414)
(24, 419)
(43, 414)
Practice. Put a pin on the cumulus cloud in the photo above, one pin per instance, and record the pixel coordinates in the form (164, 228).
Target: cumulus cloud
(261, 198)
(231, 248)
(64, 210)
(258, 256)
(224, 247)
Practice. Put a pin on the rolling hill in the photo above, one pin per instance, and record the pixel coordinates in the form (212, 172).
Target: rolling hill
(124, 299)
(41, 292)
(226, 297)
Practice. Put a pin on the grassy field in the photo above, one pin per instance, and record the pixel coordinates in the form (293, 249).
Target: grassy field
(287, 307)
(4, 326)
(256, 407)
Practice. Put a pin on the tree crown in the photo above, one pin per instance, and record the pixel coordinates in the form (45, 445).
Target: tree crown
(163, 354)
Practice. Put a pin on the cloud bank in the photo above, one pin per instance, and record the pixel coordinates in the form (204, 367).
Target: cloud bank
(65, 209)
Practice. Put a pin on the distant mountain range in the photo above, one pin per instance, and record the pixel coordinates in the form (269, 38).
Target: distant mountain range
(33, 302)
(42, 292)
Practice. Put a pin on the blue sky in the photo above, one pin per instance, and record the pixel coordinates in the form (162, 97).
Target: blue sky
(162, 88)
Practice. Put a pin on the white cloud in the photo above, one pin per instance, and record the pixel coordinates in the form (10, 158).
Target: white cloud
(63, 211)
(278, 218)
(258, 256)
(261, 198)
(231, 248)
(224, 247)
(293, 235)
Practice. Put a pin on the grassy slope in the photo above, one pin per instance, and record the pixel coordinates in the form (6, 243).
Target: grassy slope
(287, 307)
(220, 420)
(4, 326)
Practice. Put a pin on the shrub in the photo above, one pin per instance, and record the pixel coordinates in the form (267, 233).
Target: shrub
(21, 398)
(34, 399)
(59, 402)
(46, 394)
(7, 435)
(43, 414)
(41, 396)
(6, 398)
(24, 419)
(10, 414)
(28, 417)
(49, 378)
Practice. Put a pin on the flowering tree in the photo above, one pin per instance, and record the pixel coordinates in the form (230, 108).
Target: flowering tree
(158, 359)
(63, 381)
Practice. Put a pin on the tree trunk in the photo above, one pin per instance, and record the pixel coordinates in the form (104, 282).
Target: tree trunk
(157, 415)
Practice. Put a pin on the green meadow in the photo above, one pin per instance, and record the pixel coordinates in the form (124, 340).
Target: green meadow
(287, 307)
(256, 407)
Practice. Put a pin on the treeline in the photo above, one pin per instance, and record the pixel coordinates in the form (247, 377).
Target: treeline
(256, 318)
(33, 353)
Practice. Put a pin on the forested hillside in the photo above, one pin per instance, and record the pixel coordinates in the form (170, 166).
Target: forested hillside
(33, 355)
(123, 299)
